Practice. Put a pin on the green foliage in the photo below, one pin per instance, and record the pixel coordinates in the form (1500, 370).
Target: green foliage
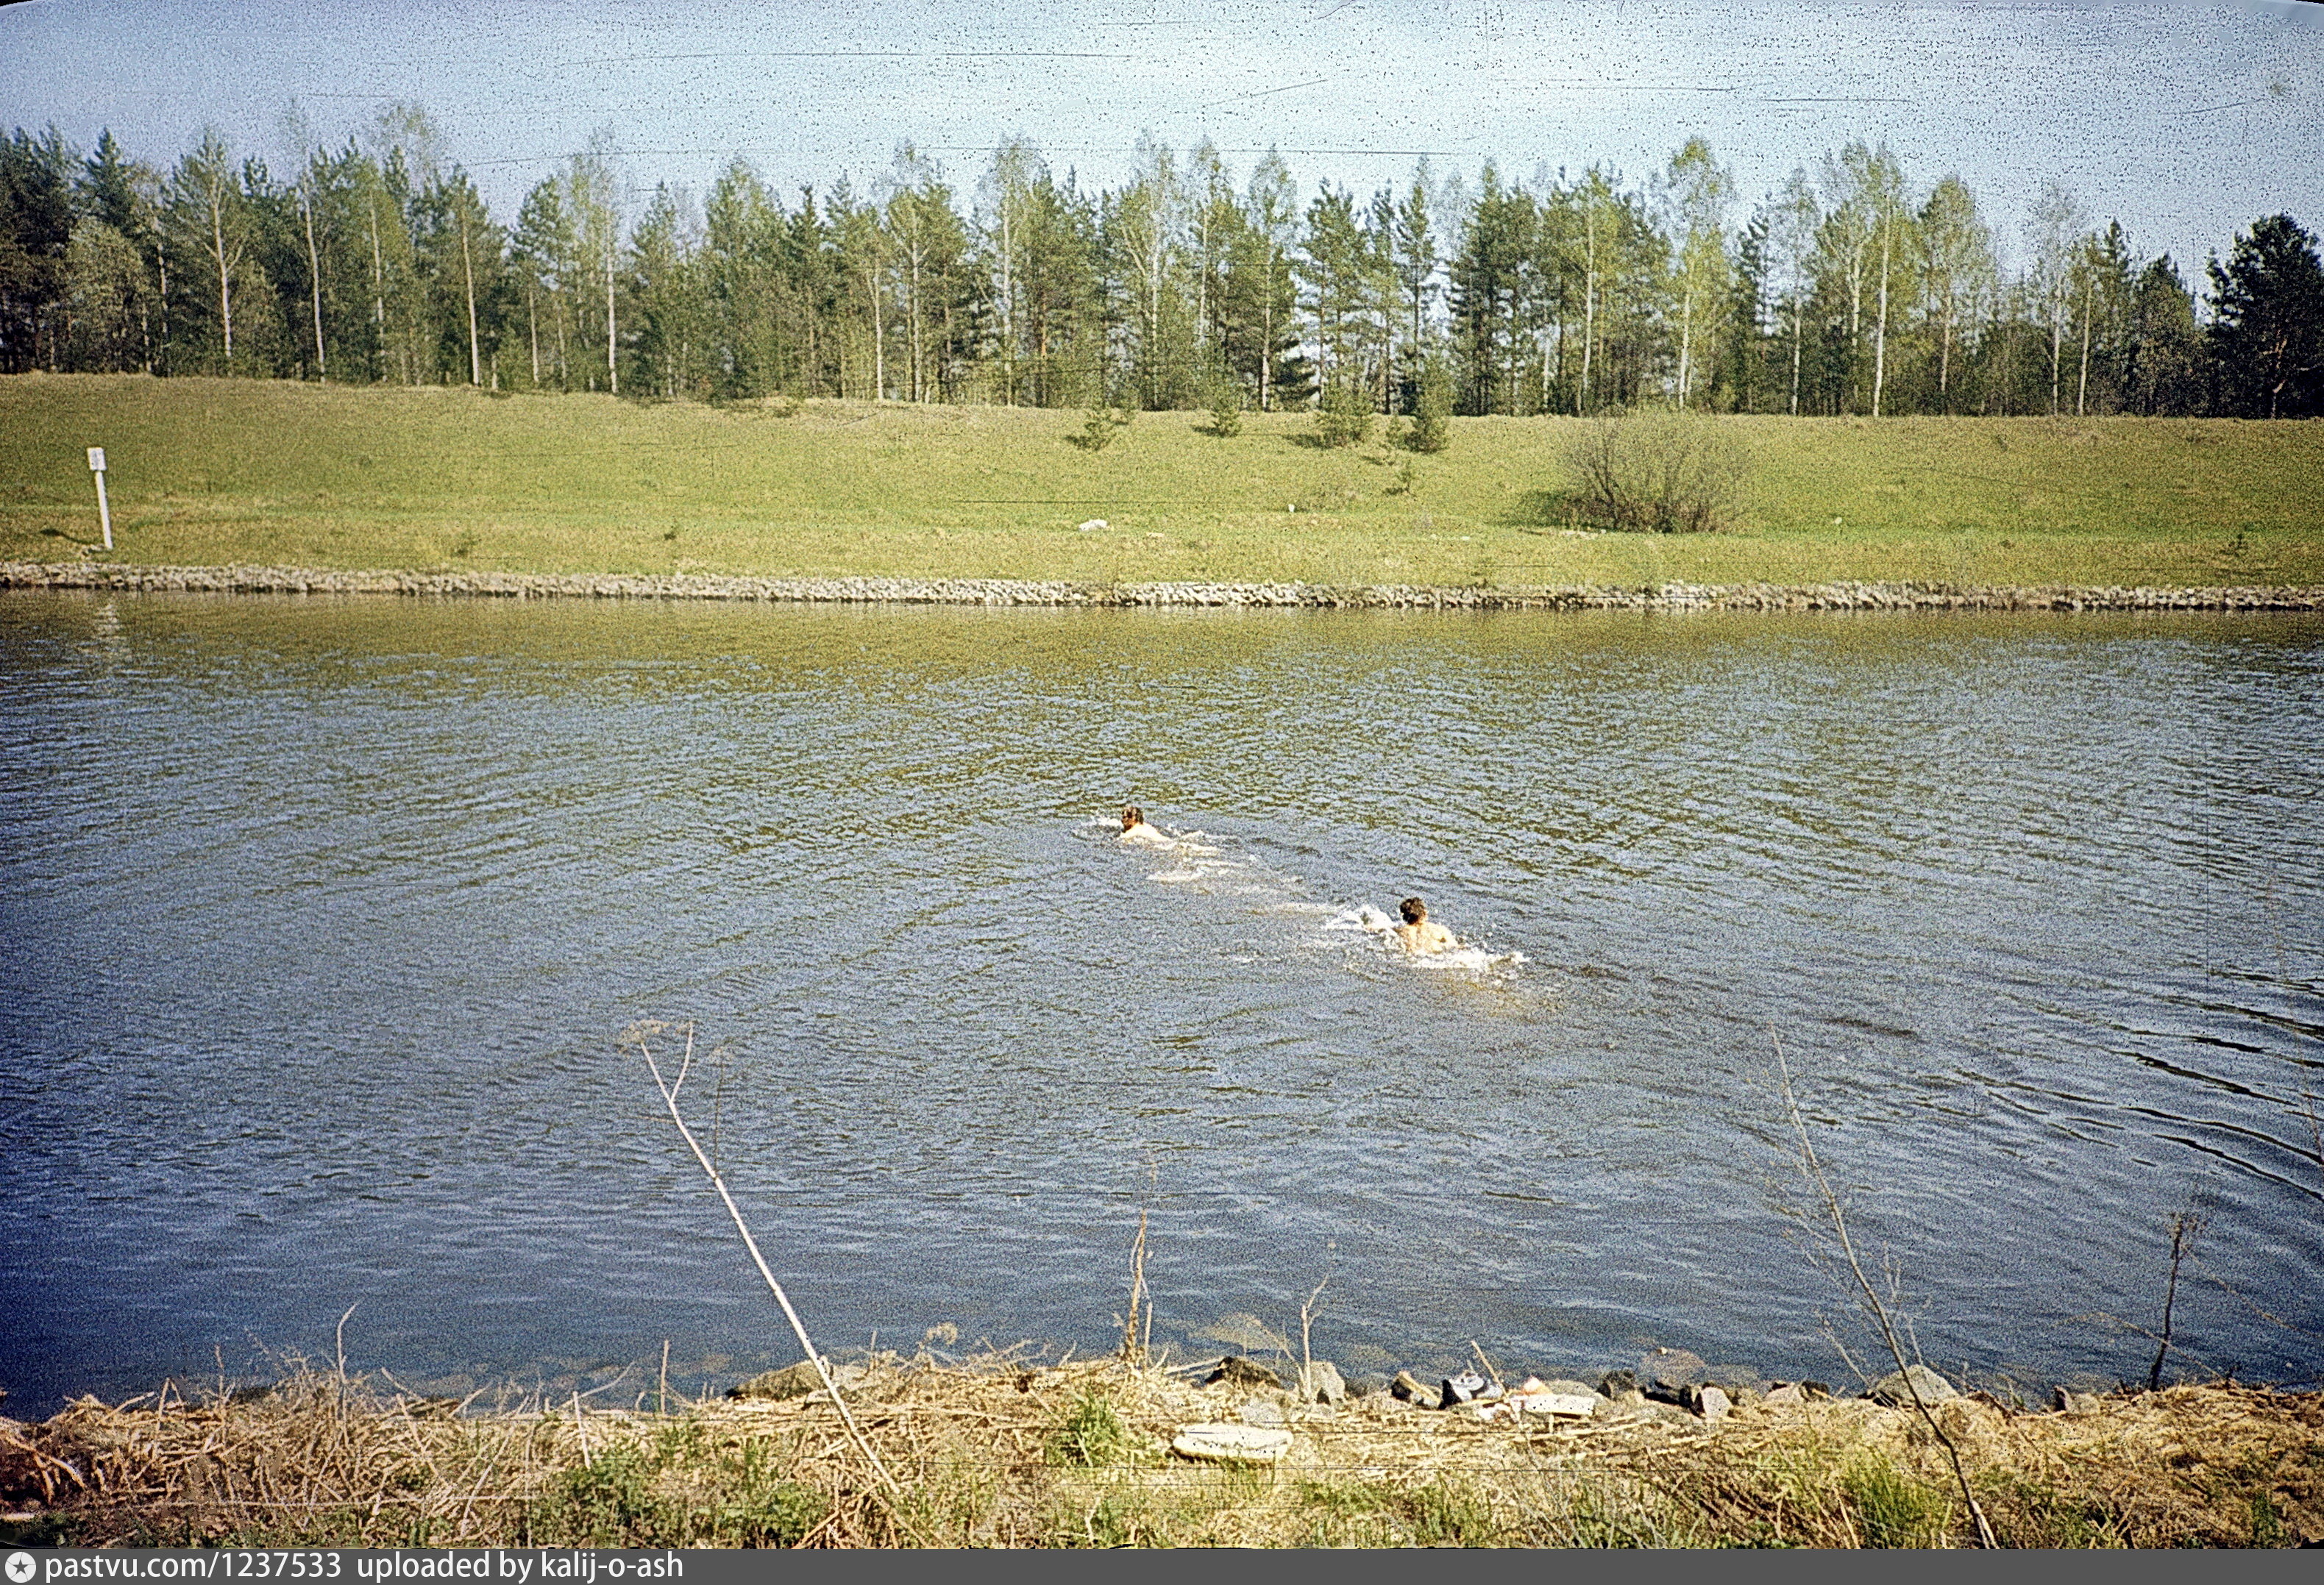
(679, 1491)
(1344, 418)
(1431, 430)
(1226, 411)
(1659, 473)
(2268, 299)
(1101, 426)
(1091, 1436)
(1891, 1508)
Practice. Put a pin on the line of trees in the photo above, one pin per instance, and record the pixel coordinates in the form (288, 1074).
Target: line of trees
(1849, 291)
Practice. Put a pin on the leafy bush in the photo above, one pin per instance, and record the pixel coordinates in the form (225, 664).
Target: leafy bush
(1344, 418)
(1659, 473)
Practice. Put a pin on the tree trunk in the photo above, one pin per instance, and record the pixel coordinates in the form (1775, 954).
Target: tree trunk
(1799, 335)
(226, 293)
(378, 293)
(2057, 338)
(2082, 385)
(532, 323)
(879, 340)
(1685, 348)
(315, 278)
(1007, 309)
(612, 370)
(1589, 308)
(1267, 333)
(468, 277)
(1880, 334)
(1945, 355)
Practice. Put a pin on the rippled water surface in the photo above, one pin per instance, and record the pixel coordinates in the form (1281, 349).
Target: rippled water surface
(321, 921)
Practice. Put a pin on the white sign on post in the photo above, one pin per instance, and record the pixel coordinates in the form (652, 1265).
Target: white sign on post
(104, 511)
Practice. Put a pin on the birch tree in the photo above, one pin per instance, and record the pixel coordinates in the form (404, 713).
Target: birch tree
(1273, 214)
(1695, 192)
(1794, 221)
(2052, 236)
(592, 193)
(1957, 270)
(207, 202)
(1146, 217)
(1007, 192)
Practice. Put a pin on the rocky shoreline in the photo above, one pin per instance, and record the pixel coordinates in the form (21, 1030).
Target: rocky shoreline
(1019, 591)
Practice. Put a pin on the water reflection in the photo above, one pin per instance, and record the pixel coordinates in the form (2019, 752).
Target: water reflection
(322, 917)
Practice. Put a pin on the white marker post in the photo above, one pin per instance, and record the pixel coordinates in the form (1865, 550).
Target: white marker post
(104, 512)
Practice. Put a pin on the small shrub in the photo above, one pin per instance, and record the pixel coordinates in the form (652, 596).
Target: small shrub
(1344, 418)
(1431, 430)
(1226, 411)
(1101, 426)
(1658, 472)
(1091, 1436)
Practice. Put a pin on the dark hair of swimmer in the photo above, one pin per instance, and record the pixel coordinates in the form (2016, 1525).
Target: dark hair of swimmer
(1132, 816)
(1412, 909)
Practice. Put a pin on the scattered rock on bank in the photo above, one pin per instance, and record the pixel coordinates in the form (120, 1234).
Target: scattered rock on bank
(1892, 1390)
(1830, 596)
(1234, 1370)
(1411, 1390)
(1320, 1383)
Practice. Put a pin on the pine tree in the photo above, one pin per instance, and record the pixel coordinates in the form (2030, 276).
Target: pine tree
(2267, 305)
(2168, 366)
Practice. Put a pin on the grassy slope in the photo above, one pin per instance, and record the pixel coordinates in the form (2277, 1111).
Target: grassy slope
(207, 472)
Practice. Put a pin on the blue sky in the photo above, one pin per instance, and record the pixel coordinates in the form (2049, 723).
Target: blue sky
(2184, 120)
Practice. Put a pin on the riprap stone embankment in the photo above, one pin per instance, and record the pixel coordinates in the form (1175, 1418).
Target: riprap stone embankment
(864, 591)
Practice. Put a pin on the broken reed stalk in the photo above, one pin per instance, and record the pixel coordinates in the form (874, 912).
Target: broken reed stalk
(1813, 1168)
(1306, 1330)
(1132, 1350)
(2184, 1226)
(669, 1089)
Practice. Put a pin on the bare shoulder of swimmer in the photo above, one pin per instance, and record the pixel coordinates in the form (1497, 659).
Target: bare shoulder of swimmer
(1425, 936)
(1135, 829)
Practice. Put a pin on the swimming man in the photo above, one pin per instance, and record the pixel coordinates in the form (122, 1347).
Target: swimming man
(1135, 829)
(1418, 933)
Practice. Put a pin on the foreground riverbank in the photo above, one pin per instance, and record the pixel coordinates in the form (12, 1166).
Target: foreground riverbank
(992, 1452)
(217, 473)
(1671, 596)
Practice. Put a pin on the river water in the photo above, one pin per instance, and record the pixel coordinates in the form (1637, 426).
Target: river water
(323, 920)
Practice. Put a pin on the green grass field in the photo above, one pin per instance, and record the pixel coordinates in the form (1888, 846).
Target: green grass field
(207, 472)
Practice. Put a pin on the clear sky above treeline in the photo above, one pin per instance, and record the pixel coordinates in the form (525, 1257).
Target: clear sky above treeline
(2186, 121)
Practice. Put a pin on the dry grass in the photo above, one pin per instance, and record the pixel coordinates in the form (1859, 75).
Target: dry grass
(993, 1453)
